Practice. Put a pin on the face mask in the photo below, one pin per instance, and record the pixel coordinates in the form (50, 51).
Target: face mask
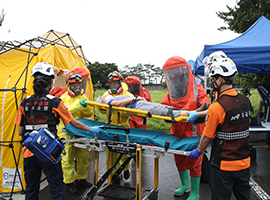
(114, 89)
(76, 91)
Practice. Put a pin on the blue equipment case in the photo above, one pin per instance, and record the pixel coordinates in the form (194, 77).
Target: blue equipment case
(44, 145)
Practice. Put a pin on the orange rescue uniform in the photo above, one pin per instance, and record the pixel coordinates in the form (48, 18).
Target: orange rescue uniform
(59, 109)
(216, 117)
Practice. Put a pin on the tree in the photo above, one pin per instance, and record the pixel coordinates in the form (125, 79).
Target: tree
(147, 73)
(99, 73)
(242, 16)
(2, 16)
(239, 19)
(159, 73)
(137, 70)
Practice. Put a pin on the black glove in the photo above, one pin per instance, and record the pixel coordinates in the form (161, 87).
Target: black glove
(23, 138)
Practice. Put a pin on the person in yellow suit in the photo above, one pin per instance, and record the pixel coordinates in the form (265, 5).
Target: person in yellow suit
(117, 87)
(74, 99)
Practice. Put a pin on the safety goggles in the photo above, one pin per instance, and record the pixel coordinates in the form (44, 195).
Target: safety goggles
(113, 76)
(75, 78)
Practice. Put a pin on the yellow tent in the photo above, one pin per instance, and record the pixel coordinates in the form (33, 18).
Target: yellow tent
(17, 59)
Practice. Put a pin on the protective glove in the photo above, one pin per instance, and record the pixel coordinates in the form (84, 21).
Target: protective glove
(23, 138)
(194, 154)
(82, 102)
(95, 129)
(192, 116)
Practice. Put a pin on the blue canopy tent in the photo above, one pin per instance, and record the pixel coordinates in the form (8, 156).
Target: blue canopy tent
(250, 51)
(191, 63)
(197, 71)
(197, 74)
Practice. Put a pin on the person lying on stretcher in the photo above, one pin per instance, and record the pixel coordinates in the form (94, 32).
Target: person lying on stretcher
(140, 103)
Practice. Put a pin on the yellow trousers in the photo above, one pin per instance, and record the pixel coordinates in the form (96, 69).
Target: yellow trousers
(68, 164)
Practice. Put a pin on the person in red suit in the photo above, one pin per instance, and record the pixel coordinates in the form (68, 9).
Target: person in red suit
(184, 93)
(135, 87)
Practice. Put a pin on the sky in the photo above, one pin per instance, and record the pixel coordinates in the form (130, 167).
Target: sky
(123, 32)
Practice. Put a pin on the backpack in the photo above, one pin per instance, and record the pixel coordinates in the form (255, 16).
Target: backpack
(44, 145)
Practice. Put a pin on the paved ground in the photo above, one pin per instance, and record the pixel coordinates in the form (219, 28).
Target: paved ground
(169, 179)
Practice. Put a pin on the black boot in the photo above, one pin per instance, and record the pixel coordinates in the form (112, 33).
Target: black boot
(83, 183)
(72, 188)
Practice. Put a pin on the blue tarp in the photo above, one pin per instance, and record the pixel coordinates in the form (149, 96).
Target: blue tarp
(139, 136)
(250, 51)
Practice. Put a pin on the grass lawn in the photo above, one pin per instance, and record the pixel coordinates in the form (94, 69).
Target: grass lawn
(157, 96)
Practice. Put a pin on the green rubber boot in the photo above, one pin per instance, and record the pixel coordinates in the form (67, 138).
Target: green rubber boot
(185, 183)
(195, 188)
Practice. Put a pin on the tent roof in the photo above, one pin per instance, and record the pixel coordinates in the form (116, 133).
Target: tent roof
(250, 51)
(50, 38)
(59, 49)
(198, 71)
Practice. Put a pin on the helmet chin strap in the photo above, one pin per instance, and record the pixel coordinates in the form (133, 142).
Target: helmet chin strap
(214, 84)
(218, 87)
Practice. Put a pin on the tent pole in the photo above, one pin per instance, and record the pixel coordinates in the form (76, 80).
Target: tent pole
(205, 80)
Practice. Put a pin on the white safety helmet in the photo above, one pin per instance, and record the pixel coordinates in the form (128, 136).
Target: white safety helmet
(224, 67)
(213, 57)
(43, 68)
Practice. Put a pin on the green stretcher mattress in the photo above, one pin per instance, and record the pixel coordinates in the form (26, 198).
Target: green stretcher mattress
(139, 136)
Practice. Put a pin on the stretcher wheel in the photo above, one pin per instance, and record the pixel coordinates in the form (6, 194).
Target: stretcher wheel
(153, 195)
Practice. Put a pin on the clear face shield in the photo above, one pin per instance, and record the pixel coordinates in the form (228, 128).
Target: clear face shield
(177, 81)
(84, 83)
(134, 88)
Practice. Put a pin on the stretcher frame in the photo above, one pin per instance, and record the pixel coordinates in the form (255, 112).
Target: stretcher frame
(99, 146)
(132, 111)
(123, 148)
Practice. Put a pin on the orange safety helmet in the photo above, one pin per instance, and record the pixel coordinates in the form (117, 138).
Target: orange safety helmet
(83, 72)
(73, 78)
(115, 76)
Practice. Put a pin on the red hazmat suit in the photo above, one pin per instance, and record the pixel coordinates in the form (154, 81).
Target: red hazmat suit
(135, 87)
(58, 91)
(184, 93)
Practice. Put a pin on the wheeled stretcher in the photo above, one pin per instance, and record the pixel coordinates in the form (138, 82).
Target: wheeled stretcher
(129, 141)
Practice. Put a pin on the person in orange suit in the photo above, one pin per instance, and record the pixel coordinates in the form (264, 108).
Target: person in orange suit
(135, 87)
(183, 93)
